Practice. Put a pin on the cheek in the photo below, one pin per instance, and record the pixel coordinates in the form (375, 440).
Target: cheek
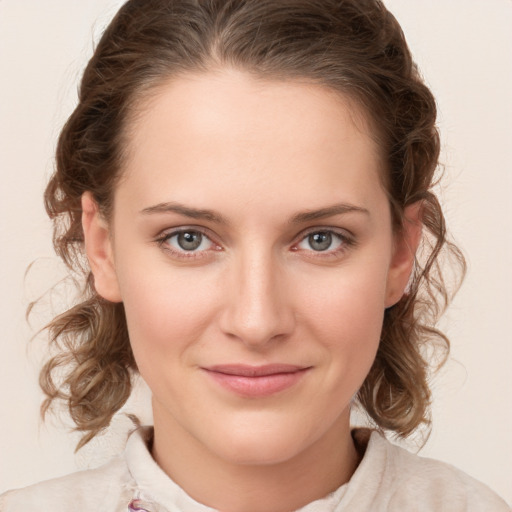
(165, 310)
(346, 315)
(349, 301)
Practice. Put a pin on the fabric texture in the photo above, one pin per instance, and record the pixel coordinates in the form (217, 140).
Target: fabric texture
(388, 479)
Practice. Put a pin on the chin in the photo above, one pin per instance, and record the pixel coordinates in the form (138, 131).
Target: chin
(259, 452)
(262, 443)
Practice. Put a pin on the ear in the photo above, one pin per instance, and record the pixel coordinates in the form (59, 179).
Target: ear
(98, 247)
(405, 245)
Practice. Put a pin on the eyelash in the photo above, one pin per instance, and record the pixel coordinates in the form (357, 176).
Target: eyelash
(346, 242)
(165, 237)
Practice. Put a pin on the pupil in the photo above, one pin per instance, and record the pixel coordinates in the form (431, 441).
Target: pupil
(189, 241)
(320, 241)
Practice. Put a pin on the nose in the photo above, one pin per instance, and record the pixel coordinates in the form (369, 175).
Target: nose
(258, 308)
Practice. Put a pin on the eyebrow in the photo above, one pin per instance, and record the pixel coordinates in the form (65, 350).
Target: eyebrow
(329, 211)
(186, 211)
(210, 215)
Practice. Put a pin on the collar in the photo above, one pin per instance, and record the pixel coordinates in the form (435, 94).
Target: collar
(154, 488)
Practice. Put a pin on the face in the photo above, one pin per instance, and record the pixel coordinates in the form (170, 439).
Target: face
(251, 245)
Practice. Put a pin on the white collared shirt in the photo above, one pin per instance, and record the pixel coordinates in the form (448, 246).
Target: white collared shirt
(388, 479)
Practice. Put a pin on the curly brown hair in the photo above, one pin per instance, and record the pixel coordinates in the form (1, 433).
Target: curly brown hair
(354, 47)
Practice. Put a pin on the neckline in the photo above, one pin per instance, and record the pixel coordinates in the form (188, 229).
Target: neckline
(156, 488)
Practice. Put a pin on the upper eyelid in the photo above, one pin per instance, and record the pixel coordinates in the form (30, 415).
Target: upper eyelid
(342, 232)
(169, 232)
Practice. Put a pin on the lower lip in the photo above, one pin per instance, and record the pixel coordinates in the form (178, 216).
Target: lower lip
(257, 387)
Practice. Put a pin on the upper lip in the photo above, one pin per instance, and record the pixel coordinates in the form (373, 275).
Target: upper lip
(244, 370)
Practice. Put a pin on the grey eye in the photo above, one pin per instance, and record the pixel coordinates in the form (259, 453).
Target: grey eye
(189, 240)
(320, 241)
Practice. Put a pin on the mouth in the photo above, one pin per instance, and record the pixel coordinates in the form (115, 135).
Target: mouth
(256, 381)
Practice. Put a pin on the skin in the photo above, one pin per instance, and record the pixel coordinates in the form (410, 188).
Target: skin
(260, 156)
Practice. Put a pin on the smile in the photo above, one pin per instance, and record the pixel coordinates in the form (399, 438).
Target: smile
(256, 381)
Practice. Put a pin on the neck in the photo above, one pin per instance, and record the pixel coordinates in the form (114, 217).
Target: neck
(232, 486)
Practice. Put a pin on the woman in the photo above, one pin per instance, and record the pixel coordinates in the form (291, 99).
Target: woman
(250, 182)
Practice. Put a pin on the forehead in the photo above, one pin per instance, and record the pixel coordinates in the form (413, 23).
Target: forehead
(228, 128)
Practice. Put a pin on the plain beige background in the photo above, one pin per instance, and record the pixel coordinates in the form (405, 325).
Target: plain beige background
(463, 47)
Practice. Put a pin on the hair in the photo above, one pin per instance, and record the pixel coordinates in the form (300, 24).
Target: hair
(353, 47)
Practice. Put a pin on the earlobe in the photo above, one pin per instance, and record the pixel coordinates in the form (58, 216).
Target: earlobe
(404, 253)
(98, 247)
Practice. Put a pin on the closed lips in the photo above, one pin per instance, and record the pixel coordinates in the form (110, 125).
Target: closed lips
(256, 381)
(255, 371)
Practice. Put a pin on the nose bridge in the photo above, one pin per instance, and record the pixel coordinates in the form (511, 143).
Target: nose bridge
(259, 309)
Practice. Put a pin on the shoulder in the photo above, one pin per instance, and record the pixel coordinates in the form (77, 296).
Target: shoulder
(441, 485)
(406, 480)
(79, 491)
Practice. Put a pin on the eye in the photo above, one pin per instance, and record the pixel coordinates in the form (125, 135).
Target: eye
(322, 241)
(187, 241)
